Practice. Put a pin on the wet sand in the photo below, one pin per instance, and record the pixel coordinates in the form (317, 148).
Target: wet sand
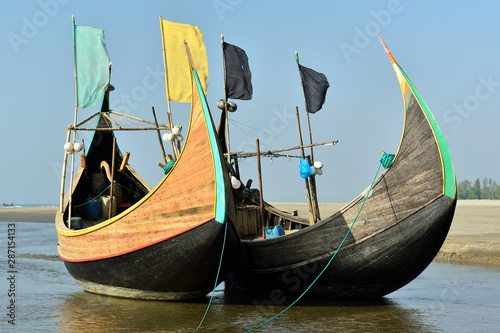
(474, 237)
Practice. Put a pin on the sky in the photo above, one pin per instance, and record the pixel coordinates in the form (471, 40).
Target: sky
(449, 49)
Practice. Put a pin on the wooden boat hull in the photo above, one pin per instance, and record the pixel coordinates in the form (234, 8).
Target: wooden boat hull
(369, 248)
(173, 269)
(370, 268)
(176, 241)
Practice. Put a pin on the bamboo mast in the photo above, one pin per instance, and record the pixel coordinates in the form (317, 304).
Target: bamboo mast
(63, 177)
(312, 178)
(169, 112)
(225, 101)
(159, 136)
(308, 190)
(261, 196)
(74, 125)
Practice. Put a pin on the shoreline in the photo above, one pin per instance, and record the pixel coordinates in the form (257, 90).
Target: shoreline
(473, 239)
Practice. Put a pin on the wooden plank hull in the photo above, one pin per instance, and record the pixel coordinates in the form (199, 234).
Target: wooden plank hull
(169, 243)
(368, 268)
(398, 231)
(181, 267)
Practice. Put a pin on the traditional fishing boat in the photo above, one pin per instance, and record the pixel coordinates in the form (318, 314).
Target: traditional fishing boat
(398, 232)
(174, 241)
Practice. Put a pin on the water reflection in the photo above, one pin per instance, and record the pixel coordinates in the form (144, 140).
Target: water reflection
(233, 312)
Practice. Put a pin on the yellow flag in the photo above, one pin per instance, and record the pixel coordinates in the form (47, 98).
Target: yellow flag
(178, 74)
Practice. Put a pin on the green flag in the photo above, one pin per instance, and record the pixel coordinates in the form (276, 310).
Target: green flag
(91, 63)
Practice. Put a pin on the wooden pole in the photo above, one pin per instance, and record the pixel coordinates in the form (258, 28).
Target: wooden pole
(260, 192)
(159, 136)
(226, 119)
(308, 191)
(139, 119)
(327, 143)
(312, 178)
(310, 135)
(112, 179)
(169, 112)
(83, 158)
(124, 162)
(63, 178)
(314, 194)
(74, 125)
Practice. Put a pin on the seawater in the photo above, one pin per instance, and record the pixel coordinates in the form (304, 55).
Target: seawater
(444, 298)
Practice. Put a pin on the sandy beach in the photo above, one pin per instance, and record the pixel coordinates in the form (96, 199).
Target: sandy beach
(474, 237)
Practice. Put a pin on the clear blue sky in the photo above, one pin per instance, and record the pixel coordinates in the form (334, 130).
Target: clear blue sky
(449, 49)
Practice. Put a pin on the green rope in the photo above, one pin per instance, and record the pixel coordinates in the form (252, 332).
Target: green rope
(386, 160)
(329, 262)
(217, 277)
(168, 166)
(96, 197)
(128, 189)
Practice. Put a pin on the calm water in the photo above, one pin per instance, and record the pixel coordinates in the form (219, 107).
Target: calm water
(445, 298)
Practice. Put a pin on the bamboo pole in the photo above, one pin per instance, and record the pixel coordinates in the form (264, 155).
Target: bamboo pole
(159, 136)
(312, 181)
(226, 119)
(111, 120)
(169, 111)
(326, 143)
(308, 190)
(87, 119)
(63, 177)
(83, 158)
(310, 134)
(261, 196)
(124, 162)
(122, 129)
(74, 125)
(139, 119)
(314, 194)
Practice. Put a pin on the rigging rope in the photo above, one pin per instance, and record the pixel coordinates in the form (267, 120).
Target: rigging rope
(218, 271)
(331, 259)
(94, 198)
(271, 155)
(386, 160)
(255, 129)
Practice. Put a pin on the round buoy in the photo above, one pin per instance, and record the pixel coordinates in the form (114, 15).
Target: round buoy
(235, 182)
(318, 165)
(220, 104)
(168, 137)
(231, 106)
(319, 172)
(313, 171)
(176, 130)
(68, 147)
(179, 137)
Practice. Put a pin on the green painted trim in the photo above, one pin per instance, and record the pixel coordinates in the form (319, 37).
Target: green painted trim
(220, 187)
(449, 186)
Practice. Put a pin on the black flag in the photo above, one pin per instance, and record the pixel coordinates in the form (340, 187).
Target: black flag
(315, 85)
(238, 75)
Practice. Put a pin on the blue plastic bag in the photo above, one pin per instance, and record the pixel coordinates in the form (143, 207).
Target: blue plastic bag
(275, 231)
(305, 169)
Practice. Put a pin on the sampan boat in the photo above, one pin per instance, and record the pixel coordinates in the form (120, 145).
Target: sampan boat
(398, 232)
(163, 243)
